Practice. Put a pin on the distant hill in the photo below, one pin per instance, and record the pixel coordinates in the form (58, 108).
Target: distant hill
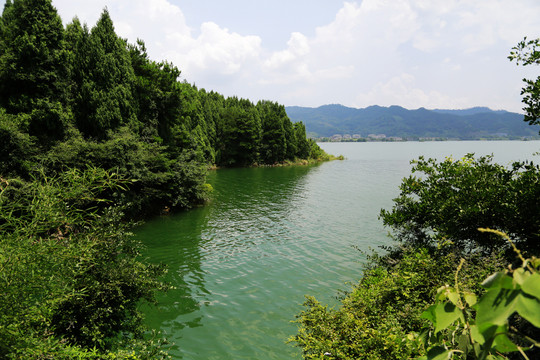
(396, 121)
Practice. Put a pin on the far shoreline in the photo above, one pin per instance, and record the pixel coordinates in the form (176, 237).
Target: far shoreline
(365, 140)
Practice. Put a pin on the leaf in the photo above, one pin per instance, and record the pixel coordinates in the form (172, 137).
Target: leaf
(445, 315)
(438, 353)
(520, 276)
(429, 314)
(529, 308)
(463, 343)
(487, 332)
(495, 357)
(470, 298)
(496, 306)
(498, 280)
(531, 285)
(477, 335)
(535, 262)
(453, 296)
(503, 344)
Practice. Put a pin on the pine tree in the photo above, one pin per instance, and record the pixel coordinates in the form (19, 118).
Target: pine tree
(105, 85)
(33, 74)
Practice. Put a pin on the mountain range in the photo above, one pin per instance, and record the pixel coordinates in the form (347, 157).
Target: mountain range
(398, 122)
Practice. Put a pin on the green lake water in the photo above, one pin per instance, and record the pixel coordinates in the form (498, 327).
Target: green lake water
(242, 264)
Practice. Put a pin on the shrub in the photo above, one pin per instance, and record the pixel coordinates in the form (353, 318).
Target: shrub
(69, 275)
(451, 199)
(378, 319)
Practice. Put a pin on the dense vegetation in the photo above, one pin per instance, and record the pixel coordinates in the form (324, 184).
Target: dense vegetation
(430, 295)
(395, 121)
(94, 133)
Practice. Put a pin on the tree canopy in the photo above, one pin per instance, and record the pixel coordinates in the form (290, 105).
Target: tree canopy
(527, 52)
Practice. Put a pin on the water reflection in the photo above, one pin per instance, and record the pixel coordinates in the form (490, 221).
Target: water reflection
(247, 205)
(210, 253)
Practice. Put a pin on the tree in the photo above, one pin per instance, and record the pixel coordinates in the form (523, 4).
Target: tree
(527, 52)
(33, 74)
(240, 138)
(157, 94)
(104, 100)
(450, 200)
(303, 147)
(273, 141)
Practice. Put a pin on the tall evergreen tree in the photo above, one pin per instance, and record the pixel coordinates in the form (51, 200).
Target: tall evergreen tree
(105, 98)
(302, 143)
(32, 66)
(157, 94)
(239, 145)
(273, 144)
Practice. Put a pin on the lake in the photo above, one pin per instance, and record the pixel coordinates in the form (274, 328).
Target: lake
(242, 264)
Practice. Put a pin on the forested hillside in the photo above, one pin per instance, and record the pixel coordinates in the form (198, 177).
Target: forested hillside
(395, 121)
(92, 133)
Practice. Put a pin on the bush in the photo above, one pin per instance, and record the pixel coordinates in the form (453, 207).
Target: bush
(450, 200)
(504, 320)
(156, 180)
(378, 319)
(70, 278)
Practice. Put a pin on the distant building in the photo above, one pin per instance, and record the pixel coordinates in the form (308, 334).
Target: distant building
(377, 136)
(336, 137)
(347, 137)
(356, 136)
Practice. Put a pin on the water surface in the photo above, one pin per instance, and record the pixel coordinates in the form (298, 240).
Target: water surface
(243, 263)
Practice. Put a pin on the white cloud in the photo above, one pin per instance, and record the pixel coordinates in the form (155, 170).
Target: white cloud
(219, 50)
(431, 53)
(298, 46)
(402, 90)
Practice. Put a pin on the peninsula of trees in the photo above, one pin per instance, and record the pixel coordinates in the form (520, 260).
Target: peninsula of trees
(74, 97)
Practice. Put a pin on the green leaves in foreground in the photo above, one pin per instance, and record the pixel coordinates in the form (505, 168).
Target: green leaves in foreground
(457, 333)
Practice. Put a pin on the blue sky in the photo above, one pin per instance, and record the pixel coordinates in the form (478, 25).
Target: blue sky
(412, 53)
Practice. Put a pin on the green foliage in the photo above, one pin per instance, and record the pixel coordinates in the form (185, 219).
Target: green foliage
(472, 327)
(527, 52)
(33, 67)
(156, 92)
(70, 278)
(104, 98)
(17, 146)
(157, 181)
(31, 56)
(451, 199)
(378, 319)
(240, 136)
(274, 141)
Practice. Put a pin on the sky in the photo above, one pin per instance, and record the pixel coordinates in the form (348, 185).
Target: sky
(449, 54)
